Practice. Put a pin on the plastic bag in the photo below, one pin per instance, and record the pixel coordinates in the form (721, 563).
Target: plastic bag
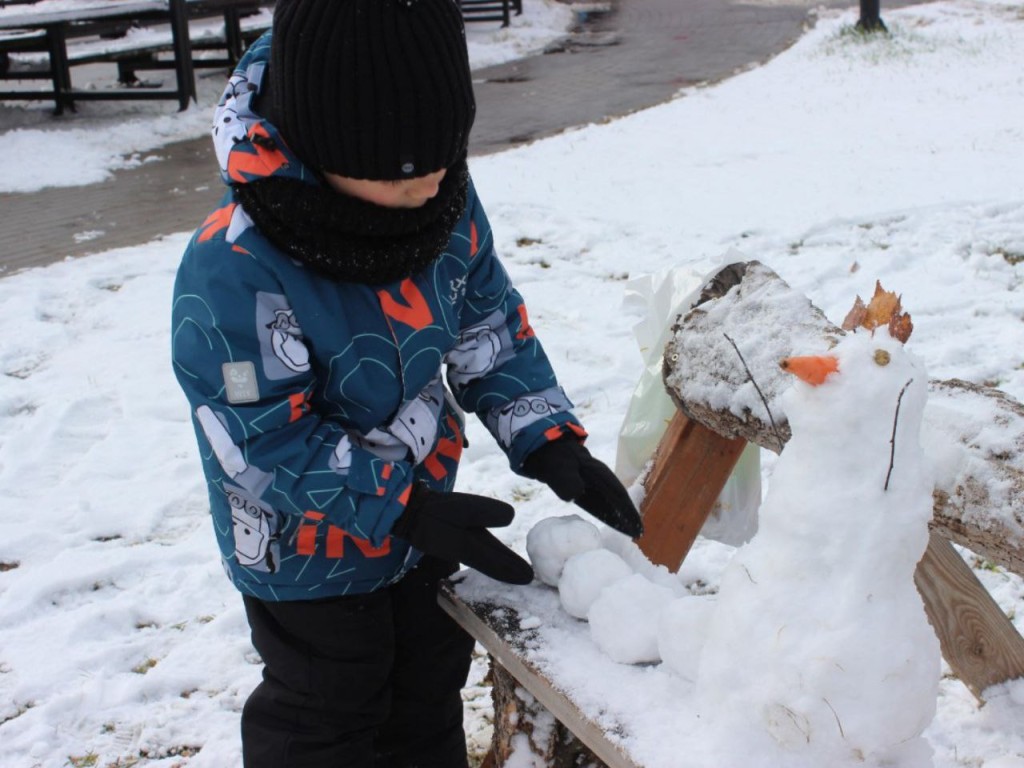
(662, 297)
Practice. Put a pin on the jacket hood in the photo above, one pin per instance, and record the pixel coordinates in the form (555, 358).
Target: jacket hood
(248, 146)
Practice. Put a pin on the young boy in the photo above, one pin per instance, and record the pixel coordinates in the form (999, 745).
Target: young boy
(331, 321)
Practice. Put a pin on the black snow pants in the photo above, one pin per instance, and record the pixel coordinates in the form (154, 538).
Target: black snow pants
(361, 681)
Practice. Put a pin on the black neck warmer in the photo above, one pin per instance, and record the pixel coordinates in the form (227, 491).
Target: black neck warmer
(351, 240)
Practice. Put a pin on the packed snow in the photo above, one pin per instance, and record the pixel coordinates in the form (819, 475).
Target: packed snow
(822, 602)
(842, 161)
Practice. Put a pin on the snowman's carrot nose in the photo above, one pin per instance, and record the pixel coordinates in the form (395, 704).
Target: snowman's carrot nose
(813, 368)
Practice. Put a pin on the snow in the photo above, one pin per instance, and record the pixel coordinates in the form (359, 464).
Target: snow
(822, 600)
(840, 162)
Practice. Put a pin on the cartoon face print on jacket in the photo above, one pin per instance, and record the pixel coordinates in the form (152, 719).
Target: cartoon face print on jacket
(282, 348)
(506, 421)
(286, 341)
(413, 431)
(256, 528)
(479, 350)
(234, 114)
(416, 422)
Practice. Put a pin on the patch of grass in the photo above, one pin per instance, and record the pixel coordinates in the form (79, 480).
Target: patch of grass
(520, 494)
(984, 564)
(83, 761)
(21, 710)
(526, 242)
(9, 565)
(1013, 258)
(144, 667)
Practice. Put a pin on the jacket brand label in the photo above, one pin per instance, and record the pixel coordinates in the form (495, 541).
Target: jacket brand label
(240, 382)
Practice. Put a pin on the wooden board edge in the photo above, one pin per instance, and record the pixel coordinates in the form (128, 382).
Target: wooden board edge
(557, 703)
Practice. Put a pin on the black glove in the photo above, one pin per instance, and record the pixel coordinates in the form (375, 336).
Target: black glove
(453, 526)
(574, 475)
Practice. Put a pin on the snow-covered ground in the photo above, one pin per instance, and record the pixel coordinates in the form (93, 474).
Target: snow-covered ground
(840, 162)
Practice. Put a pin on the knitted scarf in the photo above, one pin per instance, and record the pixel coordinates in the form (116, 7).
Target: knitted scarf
(351, 240)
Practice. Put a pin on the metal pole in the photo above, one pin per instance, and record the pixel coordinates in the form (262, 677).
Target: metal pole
(870, 17)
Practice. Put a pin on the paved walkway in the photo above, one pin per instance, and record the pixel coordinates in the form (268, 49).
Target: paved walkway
(636, 56)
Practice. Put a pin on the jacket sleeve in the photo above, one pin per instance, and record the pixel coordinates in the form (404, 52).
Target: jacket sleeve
(497, 367)
(258, 431)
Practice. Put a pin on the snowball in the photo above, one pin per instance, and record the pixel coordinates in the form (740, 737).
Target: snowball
(624, 619)
(630, 551)
(554, 540)
(682, 630)
(585, 575)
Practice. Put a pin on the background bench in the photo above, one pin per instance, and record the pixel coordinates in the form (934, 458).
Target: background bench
(38, 43)
(490, 10)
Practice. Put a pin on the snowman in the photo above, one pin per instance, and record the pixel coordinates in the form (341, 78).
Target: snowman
(819, 650)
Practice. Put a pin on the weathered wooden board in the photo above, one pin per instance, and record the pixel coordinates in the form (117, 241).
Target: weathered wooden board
(497, 631)
(688, 472)
(980, 644)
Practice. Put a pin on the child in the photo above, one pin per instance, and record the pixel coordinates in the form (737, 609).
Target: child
(331, 321)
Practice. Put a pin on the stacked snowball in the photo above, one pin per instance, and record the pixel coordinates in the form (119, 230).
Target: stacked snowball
(637, 612)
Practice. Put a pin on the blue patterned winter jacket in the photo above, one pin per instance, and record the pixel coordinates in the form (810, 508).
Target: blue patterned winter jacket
(318, 403)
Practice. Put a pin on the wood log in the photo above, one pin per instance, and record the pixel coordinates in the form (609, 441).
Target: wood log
(521, 722)
(721, 369)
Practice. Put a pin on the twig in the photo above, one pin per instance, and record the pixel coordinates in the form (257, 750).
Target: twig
(764, 400)
(892, 440)
(836, 716)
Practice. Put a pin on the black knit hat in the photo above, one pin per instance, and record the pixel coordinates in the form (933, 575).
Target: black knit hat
(371, 89)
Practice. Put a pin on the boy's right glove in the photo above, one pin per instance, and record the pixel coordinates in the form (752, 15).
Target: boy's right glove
(574, 475)
(453, 526)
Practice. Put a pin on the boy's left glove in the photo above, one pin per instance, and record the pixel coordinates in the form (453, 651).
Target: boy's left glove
(574, 475)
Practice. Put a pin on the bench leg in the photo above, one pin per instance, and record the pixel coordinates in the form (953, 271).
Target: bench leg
(233, 35)
(60, 70)
(183, 69)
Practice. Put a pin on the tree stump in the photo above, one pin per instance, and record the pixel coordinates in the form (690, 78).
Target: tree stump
(523, 723)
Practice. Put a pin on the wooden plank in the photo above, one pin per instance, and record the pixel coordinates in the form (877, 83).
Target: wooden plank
(486, 628)
(689, 470)
(978, 641)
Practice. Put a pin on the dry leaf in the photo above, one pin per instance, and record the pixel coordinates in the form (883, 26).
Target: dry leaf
(900, 327)
(855, 317)
(883, 306)
(884, 310)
